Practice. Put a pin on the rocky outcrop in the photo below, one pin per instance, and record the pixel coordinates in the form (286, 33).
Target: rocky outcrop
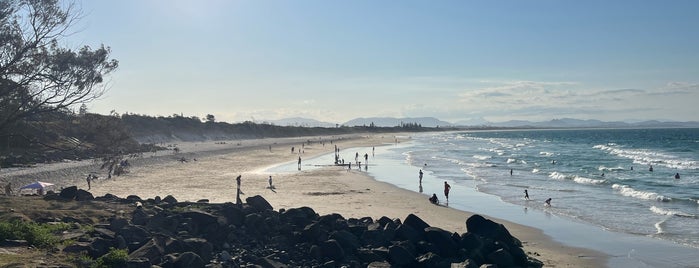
(168, 233)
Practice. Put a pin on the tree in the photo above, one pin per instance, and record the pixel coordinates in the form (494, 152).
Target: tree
(210, 118)
(38, 76)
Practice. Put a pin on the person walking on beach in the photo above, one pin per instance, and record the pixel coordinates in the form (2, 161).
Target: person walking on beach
(526, 194)
(8, 189)
(237, 195)
(447, 187)
(420, 176)
(89, 179)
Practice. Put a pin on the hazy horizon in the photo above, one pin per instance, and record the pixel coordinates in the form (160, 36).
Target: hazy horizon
(452, 60)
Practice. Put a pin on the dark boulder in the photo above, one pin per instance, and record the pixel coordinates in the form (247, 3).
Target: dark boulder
(188, 260)
(82, 195)
(258, 203)
(490, 229)
(331, 249)
(348, 241)
(415, 222)
(169, 199)
(69, 192)
(400, 256)
(501, 258)
(442, 240)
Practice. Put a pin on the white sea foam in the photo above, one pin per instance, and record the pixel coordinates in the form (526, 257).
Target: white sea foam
(648, 157)
(625, 190)
(536, 170)
(669, 212)
(583, 180)
(511, 160)
(481, 157)
(546, 153)
(557, 176)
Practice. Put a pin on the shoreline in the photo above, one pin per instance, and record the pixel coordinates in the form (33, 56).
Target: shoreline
(327, 190)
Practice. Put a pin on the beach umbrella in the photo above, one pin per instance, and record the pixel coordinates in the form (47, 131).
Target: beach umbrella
(36, 185)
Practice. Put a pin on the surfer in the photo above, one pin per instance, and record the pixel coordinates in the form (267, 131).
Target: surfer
(650, 168)
(526, 194)
(548, 202)
(677, 176)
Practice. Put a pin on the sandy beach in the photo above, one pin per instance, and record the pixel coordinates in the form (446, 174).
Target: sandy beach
(211, 167)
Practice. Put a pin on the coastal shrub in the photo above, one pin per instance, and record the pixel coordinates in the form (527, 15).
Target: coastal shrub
(113, 258)
(40, 235)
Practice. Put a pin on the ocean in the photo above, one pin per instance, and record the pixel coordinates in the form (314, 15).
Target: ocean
(604, 196)
(602, 177)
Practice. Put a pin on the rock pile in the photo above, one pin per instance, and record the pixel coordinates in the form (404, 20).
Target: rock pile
(168, 233)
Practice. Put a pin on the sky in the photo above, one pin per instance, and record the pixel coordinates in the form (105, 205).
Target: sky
(334, 61)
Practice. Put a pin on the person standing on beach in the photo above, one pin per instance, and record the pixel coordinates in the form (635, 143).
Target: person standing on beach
(270, 182)
(420, 176)
(447, 187)
(88, 179)
(526, 194)
(237, 195)
(299, 163)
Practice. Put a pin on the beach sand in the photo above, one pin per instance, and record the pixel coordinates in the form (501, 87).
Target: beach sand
(332, 189)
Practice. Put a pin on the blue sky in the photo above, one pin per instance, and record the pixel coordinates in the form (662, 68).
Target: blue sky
(455, 60)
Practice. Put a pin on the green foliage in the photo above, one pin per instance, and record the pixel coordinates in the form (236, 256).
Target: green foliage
(114, 258)
(40, 235)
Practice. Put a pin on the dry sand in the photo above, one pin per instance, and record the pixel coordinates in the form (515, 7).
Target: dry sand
(352, 194)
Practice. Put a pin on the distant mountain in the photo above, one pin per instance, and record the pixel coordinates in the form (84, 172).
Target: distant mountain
(392, 122)
(479, 121)
(300, 122)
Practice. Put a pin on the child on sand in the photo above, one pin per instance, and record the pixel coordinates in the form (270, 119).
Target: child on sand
(434, 199)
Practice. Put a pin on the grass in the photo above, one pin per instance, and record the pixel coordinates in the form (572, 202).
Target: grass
(39, 235)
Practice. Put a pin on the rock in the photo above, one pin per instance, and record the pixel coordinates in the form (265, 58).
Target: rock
(76, 247)
(133, 198)
(379, 264)
(368, 255)
(82, 195)
(140, 217)
(314, 232)
(188, 260)
(299, 216)
(490, 229)
(69, 192)
(134, 236)
(430, 259)
(150, 250)
(331, 249)
(232, 214)
(415, 222)
(201, 247)
(501, 258)
(99, 247)
(374, 238)
(400, 256)
(116, 224)
(169, 199)
(405, 232)
(442, 240)
(138, 263)
(348, 241)
(465, 264)
(258, 203)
